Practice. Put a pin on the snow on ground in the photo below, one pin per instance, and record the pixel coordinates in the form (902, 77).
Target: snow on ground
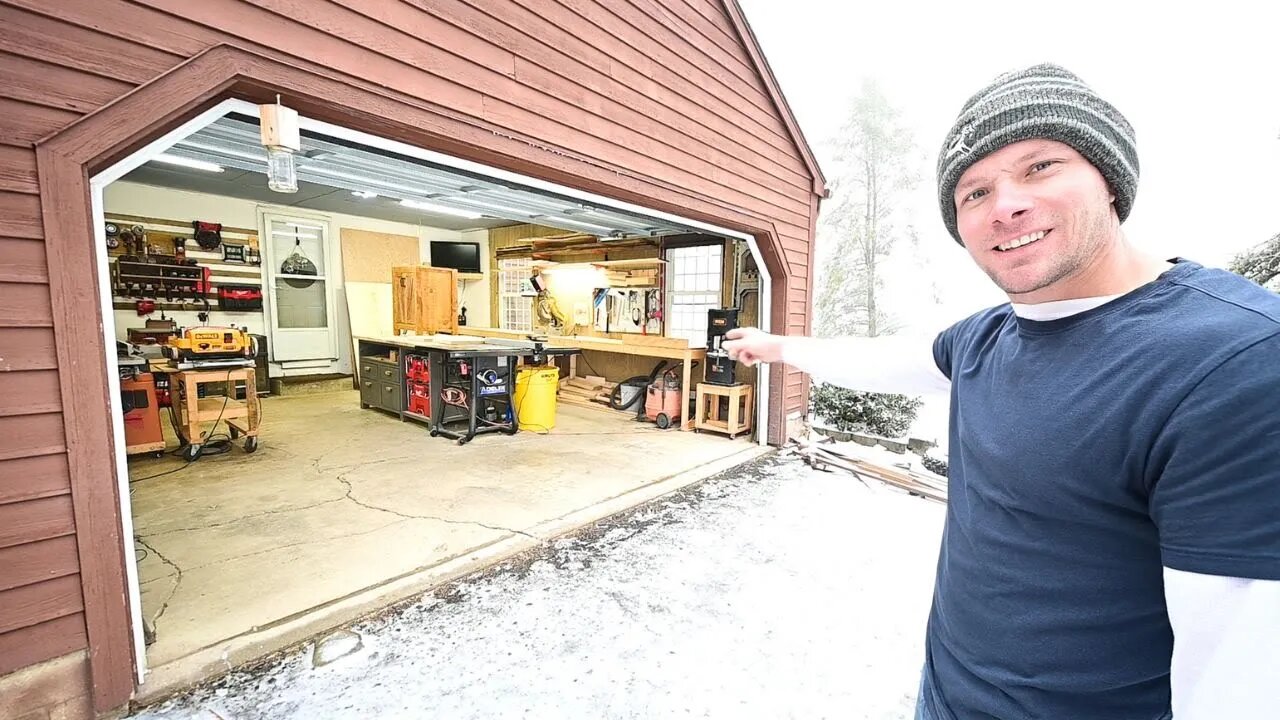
(771, 591)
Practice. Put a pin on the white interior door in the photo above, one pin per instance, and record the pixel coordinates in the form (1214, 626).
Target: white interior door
(300, 313)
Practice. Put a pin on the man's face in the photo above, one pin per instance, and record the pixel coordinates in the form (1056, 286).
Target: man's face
(1034, 215)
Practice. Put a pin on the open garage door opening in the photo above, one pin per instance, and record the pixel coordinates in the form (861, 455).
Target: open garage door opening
(335, 397)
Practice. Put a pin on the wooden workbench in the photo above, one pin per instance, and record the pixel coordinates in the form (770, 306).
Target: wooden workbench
(642, 345)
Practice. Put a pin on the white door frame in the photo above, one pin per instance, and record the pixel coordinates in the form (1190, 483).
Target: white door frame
(101, 180)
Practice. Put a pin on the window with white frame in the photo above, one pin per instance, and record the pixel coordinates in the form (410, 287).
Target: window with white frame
(694, 280)
(515, 309)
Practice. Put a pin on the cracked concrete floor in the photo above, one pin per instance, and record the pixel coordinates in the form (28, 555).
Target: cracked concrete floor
(769, 591)
(339, 499)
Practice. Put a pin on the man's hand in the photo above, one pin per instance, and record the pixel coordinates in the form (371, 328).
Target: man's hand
(752, 345)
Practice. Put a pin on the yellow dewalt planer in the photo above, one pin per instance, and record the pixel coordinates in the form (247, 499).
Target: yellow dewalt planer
(209, 346)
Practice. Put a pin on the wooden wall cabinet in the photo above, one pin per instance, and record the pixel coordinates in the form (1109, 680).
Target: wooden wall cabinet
(424, 299)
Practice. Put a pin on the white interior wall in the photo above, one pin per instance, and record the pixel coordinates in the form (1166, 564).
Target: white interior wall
(150, 201)
(474, 294)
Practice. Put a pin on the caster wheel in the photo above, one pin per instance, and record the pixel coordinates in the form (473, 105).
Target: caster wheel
(190, 453)
(250, 444)
(462, 441)
(662, 421)
(435, 434)
(157, 454)
(234, 432)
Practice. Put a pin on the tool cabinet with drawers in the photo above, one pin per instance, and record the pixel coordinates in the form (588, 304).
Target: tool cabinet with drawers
(381, 384)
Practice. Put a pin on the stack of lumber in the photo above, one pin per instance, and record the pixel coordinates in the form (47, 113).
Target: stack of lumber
(590, 391)
(556, 241)
(632, 278)
(824, 456)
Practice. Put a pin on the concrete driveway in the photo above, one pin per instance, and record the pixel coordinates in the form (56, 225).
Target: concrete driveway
(769, 591)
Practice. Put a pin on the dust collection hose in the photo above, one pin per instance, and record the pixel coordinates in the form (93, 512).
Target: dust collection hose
(615, 397)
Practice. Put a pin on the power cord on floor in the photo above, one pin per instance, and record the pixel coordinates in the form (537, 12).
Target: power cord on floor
(214, 444)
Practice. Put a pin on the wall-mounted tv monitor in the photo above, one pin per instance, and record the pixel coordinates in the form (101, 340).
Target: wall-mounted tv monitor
(461, 256)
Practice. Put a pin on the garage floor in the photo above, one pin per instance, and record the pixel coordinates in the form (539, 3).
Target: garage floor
(337, 500)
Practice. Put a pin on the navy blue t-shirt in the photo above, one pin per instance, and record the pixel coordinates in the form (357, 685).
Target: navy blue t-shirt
(1086, 453)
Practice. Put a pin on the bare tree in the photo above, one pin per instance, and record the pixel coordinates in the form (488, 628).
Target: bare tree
(874, 162)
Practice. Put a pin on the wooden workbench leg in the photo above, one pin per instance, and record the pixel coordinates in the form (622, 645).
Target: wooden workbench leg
(251, 399)
(732, 421)
(192, 406)
(573, 365)
(684, 392)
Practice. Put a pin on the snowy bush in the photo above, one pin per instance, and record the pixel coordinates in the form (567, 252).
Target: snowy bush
(880, 414)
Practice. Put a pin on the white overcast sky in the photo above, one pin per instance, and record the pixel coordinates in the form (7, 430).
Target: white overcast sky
(1200, 82)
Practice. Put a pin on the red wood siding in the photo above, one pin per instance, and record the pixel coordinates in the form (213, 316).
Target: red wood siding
(657, 102)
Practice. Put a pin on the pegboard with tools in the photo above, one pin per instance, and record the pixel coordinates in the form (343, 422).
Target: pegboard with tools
(171, 264)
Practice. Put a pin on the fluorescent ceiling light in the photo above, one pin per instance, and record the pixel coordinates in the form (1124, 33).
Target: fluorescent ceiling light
(364, 194)
(586, 226)
(503, 208)
(442, 209)
(186, 162)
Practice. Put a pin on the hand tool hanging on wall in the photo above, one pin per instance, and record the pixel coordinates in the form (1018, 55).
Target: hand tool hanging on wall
(125, 237)
(113, 236)
(208, 235)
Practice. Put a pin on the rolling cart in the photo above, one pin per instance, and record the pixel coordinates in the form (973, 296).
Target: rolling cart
(193, 411)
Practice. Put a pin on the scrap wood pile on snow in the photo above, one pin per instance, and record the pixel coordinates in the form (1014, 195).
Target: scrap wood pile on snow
(825, 454)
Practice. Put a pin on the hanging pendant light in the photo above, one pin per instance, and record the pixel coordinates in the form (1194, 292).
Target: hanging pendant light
(282, 137)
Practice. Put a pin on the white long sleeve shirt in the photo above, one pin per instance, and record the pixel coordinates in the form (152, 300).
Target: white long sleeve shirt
(1226, 652)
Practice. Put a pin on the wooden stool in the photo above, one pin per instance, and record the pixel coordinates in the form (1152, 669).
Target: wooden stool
(740, 409)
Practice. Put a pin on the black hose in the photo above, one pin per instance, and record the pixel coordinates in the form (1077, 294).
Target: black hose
(615, 397)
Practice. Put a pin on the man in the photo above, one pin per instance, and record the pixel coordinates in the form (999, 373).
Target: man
(1112, 542)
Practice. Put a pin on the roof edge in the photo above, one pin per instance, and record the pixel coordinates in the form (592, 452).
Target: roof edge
(749, 41)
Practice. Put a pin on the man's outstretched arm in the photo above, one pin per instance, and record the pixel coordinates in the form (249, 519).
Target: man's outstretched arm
(890, 364)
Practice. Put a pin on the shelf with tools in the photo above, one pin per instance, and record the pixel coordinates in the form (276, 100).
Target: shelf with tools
(160, 262)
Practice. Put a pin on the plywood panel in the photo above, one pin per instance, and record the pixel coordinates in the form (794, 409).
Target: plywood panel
(38, 561)
(36, 603)
(42, 642)
(368, 257)
(368, 310)
(31, 478)
(34, 520)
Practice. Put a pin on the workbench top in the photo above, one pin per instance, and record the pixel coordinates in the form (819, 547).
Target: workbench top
(466, 344)
(644, 345)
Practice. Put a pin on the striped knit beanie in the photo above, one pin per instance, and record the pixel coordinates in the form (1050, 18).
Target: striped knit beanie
(1044, 101)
